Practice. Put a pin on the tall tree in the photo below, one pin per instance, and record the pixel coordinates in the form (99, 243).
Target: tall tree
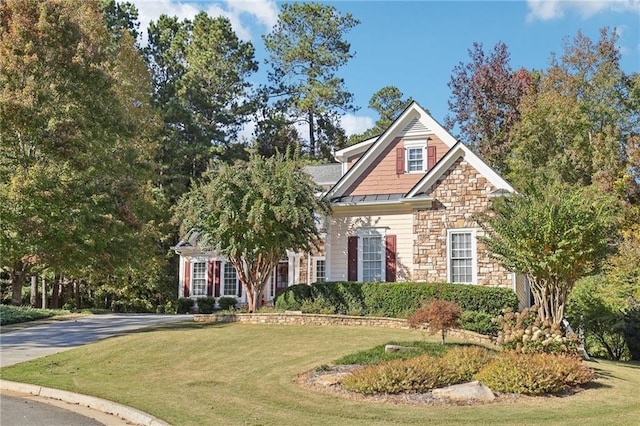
(74, 153)
(388, 103)
(200, 72)
(553, 234)
(119, 17)
(485, 94)
(581, 121)
(306, 49)
(251, 213)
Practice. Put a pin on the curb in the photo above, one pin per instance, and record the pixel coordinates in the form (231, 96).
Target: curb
(126, 413)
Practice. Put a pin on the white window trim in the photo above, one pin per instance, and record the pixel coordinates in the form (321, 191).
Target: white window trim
(193, 261)
(474, 253)
(413, 144)
(314, 262)
(372, 232)
(222, 283)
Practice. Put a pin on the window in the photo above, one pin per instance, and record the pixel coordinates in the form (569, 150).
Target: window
(462, 255)
(371, 252)
(230, 280)
(415, 156)
(199, 279)
(321, 273)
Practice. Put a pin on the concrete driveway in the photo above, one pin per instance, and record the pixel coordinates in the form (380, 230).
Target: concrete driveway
(41, 340)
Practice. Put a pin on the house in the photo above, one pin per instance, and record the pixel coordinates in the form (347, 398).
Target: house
(403, 206)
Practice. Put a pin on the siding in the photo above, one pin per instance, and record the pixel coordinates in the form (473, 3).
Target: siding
(381, 177)
(344, 224)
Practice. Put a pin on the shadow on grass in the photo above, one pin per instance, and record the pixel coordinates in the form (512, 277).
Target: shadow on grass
(181, 326)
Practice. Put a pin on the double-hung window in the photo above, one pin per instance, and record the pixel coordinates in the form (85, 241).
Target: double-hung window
(320, 270)
(415, 156)
(461, 255)
(230, 280)
(371, 250)
(199, 279)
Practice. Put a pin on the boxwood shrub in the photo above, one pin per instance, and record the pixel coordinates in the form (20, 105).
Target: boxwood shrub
(227, 302)
(185, 305)
(397, 300)
(206, 305)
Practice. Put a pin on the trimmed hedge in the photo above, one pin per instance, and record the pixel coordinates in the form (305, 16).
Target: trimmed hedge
(396, 300)
(206, 305)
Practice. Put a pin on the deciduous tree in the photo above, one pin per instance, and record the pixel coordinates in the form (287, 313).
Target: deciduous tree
(252, 213)
(554, 235)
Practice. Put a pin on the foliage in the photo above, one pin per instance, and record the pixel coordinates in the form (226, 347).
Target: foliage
(317, 306)
(527, 333)
(418, 374)
(600, 316)
(306, 48)
(632, 330)
(18, 314)
(378, 355)
(185, 305)
(534, 374)
(440, 315)
(252, 213)
(227, 303)
(206, 304)
(554, 235)
(132, 305)
(201, 72)
(396, 300)
(579, 124)
(76, 152)
(485, 98)
(388, 103)
(480, 322)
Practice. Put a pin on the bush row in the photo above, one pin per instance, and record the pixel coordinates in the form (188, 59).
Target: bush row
(397, 300)
(509, 372)
(206, 305)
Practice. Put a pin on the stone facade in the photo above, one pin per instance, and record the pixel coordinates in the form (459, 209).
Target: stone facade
(460, 193)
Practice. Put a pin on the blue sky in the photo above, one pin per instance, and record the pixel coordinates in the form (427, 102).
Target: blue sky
(414, 45)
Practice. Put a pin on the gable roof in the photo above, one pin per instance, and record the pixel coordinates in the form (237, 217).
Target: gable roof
(459, 150)
(324, 174)
(413, 120)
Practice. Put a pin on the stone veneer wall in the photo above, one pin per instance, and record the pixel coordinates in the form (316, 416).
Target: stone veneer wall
(298, 318)
(458, 194)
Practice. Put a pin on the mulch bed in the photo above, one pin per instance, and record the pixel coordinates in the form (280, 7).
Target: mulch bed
(327, 380)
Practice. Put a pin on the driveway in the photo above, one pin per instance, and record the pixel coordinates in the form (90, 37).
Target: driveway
(41, 340)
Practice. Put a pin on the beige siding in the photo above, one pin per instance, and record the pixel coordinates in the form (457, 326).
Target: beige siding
(346, 223)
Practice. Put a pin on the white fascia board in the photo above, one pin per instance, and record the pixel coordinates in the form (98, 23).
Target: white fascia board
(349, 151)
(460, 150)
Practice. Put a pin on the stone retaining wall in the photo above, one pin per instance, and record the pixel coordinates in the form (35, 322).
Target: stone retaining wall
(298, 318)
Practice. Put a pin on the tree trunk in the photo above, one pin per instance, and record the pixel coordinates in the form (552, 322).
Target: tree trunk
(33, 297)
(18, 279)
(312, 136)
(44, 293)
(55, 292)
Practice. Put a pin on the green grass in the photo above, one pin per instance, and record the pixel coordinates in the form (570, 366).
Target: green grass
(242, 374)
(376, 355)
(17, 314)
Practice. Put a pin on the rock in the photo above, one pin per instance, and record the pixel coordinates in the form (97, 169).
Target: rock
(397, 348)
(331, 379)
(466, 391)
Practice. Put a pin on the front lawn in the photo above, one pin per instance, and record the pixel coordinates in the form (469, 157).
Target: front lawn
(242, 374)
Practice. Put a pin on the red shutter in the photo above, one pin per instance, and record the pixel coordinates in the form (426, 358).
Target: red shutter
(431, 157)
(216, 278)
(399, 161)
(187, 277)
(210, 273)
(390, 258)
(352, 259)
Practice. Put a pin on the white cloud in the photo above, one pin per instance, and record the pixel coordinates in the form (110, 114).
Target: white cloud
(353, 124)
(545, 10)
(263, 13)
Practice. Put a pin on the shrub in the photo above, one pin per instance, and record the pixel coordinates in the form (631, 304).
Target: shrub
(419, 374)
(377, 354)
(291, 298)
(480, 322)
(206, 304)
(525, 332)
(441, 315)
(227, 303)
(185, 305)
(534, 374)
(170, 307)
(317, 306)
